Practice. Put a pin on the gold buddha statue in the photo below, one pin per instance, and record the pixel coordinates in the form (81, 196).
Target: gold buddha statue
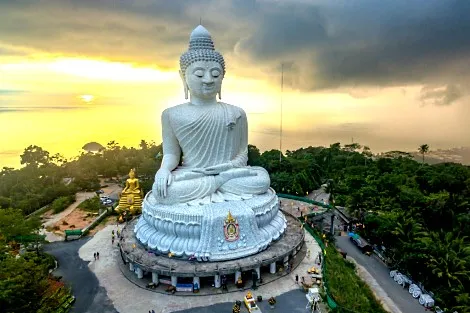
(131, 196)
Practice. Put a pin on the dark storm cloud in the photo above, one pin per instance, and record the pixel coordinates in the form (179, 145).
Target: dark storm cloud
(324, 44)
(364, 43)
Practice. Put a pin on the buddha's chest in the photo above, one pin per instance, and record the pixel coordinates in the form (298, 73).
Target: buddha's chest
(199, 121)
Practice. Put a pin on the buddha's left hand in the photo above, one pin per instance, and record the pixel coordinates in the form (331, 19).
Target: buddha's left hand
(214, 170)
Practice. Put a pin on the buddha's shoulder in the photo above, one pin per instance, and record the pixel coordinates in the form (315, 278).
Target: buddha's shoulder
(175, 109)
(234, 108)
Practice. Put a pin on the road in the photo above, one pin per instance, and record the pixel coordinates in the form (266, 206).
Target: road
(90, 297)
(319, 195)
(402, 299)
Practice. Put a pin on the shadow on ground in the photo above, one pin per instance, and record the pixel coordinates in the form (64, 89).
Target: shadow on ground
(293, 302)
(90, 297)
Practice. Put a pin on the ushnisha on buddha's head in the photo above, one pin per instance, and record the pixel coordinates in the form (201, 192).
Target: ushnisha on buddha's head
(202, 69)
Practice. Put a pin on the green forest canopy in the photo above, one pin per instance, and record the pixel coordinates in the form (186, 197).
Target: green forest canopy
(418, 212)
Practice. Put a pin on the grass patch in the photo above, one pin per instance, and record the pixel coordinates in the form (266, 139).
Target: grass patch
(350, 292)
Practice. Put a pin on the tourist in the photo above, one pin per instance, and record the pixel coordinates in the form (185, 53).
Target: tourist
(97, 255)
(254, 277)
(224, 283)
(239, 282)
(94, 256)
(296, 279)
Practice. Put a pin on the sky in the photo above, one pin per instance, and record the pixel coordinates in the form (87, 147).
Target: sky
(388, 74)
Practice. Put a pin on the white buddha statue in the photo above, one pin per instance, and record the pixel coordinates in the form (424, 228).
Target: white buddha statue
(212, 136)
(205, 201)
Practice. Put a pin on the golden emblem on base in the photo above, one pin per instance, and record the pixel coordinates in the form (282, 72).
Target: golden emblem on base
(231, 228)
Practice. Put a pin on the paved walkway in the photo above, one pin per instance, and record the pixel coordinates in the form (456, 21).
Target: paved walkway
(90, 296)
(127, 297)
(80, 197)
(111, 190)
(53, 219)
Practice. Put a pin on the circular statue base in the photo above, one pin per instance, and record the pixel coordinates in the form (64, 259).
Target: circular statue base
(213, 231)
(141, 263)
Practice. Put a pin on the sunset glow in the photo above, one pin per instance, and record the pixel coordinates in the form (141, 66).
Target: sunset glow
(342, 81)
(87, 98)
(108, 71)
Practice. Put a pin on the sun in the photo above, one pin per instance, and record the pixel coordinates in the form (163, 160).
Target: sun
(87, 98)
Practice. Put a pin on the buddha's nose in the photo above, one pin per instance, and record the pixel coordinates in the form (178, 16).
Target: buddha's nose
(207, 79)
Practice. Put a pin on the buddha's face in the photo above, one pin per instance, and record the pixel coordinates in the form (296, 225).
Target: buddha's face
(204, 79)
(132, 175)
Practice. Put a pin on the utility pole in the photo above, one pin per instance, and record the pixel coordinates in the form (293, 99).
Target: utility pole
(280, 128)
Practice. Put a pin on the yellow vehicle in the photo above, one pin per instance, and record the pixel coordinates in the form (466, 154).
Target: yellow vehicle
(250, 303)
(313, 270)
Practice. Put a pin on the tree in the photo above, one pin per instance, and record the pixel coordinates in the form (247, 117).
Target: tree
(22, 284)
(423, 149)
(143, 145)
(253, 155)
(34, 156)
(13, 225)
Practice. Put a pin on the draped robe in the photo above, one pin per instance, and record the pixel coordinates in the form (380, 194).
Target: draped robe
(207, 136)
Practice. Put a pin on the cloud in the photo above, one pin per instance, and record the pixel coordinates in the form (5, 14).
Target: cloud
(325, 44)
(10, 92)
(366, 44)
(441, 95)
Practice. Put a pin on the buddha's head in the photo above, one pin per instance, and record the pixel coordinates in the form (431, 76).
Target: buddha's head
(202, 69)
(132, 173)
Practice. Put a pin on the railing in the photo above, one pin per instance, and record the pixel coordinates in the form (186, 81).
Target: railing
(326, 206)
(329, 298)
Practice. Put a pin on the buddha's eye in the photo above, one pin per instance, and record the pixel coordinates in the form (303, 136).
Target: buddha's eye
(199, 73)
(215, 73)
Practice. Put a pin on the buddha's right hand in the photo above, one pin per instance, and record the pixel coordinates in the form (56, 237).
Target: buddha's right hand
(163, 179)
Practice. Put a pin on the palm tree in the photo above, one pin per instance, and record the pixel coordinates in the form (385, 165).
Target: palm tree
(366, 153)
(449, 257)
(423, 149)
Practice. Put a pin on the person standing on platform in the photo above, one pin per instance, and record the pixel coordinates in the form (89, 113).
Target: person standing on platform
(224, 283)
(254, 276)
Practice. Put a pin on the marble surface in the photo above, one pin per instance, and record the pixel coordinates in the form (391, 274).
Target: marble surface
(206, 201)
(199, 231)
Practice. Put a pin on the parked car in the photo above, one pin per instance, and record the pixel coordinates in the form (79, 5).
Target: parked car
(98, 192)
(362, 244)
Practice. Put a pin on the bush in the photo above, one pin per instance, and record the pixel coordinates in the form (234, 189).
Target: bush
(93, 205)
(61, 203)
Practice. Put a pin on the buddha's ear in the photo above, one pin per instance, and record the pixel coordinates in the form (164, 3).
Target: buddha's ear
(185, 85)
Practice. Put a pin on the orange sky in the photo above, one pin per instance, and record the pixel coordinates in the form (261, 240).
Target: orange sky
(77, 71)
